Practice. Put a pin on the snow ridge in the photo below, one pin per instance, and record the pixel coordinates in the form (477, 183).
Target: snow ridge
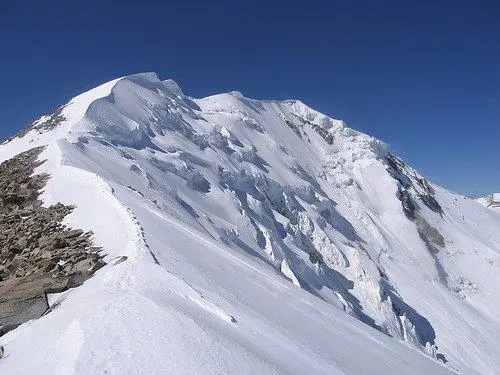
(256, 237)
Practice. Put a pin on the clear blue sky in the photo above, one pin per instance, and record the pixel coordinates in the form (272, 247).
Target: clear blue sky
(423, 76)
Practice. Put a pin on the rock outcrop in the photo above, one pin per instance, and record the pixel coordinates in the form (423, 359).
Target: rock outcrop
(43, 124)
(38, 254)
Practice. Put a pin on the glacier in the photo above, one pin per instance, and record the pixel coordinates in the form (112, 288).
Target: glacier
(254, 236)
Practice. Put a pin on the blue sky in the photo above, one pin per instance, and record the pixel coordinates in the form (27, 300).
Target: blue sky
(423, 76)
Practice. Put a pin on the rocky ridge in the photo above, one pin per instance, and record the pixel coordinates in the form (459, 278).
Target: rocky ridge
(38, 254)
(43, 124)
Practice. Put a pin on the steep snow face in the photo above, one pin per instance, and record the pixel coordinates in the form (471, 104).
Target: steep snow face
(491, 201)
(260, 237)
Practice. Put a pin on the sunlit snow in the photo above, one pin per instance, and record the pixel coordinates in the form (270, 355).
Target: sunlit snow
(261, 237)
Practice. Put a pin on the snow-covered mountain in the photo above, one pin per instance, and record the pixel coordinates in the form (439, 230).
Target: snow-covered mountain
(250, 236)
(491, 201)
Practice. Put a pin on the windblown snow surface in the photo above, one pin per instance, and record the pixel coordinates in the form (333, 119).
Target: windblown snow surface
(491, 201)
(261, 237)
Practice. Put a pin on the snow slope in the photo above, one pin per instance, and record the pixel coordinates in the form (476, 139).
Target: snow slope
(261, 237)
(491, 201)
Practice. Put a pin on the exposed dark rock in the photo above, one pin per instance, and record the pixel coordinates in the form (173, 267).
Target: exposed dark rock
(431, 202)
(50, 123)
(395, 162)
(316, 257)
(424, 184)
(409, 207)
(23, 298)
(396, 168)
(325, 134)
(292, 126)
(38, 254)
(429, 234)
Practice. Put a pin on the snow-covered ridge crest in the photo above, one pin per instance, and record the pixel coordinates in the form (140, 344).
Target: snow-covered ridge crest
(68, 115)
(261, 236)
(139, 106)
(120, 102)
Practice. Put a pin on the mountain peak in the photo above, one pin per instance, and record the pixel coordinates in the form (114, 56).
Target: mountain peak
(134, 100)
(252, 236)
(172, 86)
